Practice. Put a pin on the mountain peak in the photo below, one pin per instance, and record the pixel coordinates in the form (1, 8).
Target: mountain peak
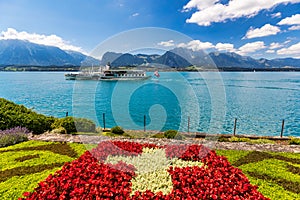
(23, 52)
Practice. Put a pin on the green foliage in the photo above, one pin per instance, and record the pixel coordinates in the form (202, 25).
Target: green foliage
(14, 187)
(223, 139)
(172, 134)
(117, 130)
(85, 125)
(7, 140)
(98, 130)
(295, 141)
(243, 139)
(232, 155)
(238, 139)
(262, 141)
(276, 174)
(13, 115)
(158, 135)
(60, 130)
(25, 164)
(72, 125)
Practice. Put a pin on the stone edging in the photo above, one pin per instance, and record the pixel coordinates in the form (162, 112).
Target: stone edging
(211, 144)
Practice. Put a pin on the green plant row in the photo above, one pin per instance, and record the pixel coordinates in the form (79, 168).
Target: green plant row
(24, 165)
(276, 174)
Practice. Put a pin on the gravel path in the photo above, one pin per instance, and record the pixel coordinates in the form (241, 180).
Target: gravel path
(211, 144)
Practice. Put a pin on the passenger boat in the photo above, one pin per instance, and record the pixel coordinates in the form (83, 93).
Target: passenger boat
(123, 75)
(108, 75)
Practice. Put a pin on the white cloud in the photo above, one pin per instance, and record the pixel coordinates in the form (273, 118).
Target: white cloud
(276, 15)
(293, 20)
(265, 30)
(275, 45)
(225, 47)
(169, 43)
(270, 51)
(196, 45)
(199, 4)
(251, 47)
(293, 51)
(49, 40)
(135, 14)
(288, 40)
(214, 11)
(294, 28)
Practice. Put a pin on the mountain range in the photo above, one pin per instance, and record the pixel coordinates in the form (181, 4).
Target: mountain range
(24, 53)
(182, 58)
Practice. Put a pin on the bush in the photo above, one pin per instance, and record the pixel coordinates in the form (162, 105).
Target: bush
(13, 115)
(237, 139)
(262, 141)
(84, 125)
(117, 130)
(60, 130)
(223, 139)
(13, 136)
(73, 125)
(172, 134)
(295, 141)
(158, 135)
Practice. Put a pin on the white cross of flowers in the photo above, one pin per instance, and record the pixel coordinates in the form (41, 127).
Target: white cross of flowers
(151, 169)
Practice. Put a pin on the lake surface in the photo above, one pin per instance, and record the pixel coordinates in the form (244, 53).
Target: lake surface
(203, 102)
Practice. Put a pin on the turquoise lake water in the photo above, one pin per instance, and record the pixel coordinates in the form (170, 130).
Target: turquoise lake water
(208, 101)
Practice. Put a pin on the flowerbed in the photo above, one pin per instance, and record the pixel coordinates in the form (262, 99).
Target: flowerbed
(127, 170)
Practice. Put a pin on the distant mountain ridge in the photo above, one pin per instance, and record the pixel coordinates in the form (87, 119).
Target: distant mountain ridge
(182, 58)
(19, 52)
(24, 53)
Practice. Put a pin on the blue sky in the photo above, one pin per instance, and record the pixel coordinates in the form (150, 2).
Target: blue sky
(258, 28)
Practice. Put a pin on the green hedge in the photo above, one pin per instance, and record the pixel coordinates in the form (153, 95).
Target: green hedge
(73, 125)
(117, 130)
(172, 134)
(13, 115)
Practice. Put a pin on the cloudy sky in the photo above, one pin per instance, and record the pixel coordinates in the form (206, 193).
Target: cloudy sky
(258, 28)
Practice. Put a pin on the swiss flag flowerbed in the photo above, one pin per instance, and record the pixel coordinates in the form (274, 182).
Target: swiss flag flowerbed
(128, 170)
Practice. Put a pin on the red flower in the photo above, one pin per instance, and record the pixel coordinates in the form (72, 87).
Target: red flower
(89, 177)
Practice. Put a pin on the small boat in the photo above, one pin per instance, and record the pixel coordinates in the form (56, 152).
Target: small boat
(71, 75)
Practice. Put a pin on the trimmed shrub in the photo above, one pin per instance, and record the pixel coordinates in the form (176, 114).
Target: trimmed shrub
(295, 141)
(158, 135)
(73, 125)
(60, 130)
(223, 139)
(237, 139)
(117, 130)
(170, 134)
(67, 123)
(13, 115)
(262, 141)
(84, 125)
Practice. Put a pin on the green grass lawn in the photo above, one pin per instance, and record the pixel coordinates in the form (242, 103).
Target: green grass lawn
(24, 165)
